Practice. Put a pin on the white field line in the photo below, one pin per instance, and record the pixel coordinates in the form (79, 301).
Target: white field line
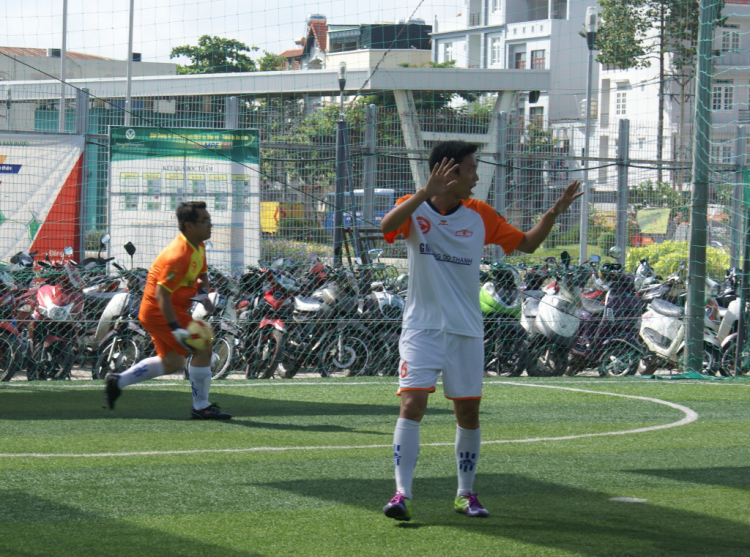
(690, 416)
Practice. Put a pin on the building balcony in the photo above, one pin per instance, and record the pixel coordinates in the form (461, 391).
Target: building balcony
(475, 19)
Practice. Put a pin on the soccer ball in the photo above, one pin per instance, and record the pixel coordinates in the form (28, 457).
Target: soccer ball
(201, 335)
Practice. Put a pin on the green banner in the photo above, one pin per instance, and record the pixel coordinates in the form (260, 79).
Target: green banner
(653, 221)
(134, 143)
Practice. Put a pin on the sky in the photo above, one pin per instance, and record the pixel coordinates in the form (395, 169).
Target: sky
(101, 27)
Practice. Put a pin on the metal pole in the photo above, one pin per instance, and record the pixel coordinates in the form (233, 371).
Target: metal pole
(699, 203)
(232, 114)
(338, 214)
(82, 128)
(744, 177)
(130, 64)
(61, 122)
(623, 155)
(736, 220)
(585, 199)
(370, 178)
(357, 246)
(501, 172)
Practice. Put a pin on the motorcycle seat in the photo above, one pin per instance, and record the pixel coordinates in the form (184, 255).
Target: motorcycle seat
(592, 306)
(665, 308)
(307, 304)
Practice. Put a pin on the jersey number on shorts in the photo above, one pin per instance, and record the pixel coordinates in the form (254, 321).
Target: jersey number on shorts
(403, 370)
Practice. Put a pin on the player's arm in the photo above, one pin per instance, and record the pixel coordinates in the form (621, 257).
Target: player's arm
(438, 184)
(164, 299)
(534, 237)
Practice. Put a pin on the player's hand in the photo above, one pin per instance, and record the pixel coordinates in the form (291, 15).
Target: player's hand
(181, 336)
(440, 178)
(570, 194)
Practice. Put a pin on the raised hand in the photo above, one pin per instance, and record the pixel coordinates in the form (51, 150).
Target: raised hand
(567, 198)
(440, 181)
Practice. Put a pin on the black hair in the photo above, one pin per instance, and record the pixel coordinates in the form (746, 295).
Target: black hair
(455, 150)
(187, 211)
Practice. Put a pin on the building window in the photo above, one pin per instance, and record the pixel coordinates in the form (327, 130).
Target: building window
(622, 103)
(496, 5)
(519, 61)
(536, 116)
(496, 50)
(722, 97)
(730, 38)
(537, 60)
(448, 52)
(721, 152)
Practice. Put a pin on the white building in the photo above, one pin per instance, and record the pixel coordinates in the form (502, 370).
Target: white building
(529, 34)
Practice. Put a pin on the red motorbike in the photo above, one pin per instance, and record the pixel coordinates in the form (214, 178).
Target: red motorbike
(264, 334)
(56, 324)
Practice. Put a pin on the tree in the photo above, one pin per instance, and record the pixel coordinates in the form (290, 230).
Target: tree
(271, 62)
(216, 55)
(633, 33)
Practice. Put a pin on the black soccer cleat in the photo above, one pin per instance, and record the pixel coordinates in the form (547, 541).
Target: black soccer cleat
(212, 412)
(111, 391)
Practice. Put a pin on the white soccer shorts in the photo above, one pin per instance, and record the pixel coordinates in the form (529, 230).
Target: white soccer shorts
(425, 353)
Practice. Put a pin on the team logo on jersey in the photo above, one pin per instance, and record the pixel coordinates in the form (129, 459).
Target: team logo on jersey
(193, 266)
(464, 234)
(424, 225)
(443, 223)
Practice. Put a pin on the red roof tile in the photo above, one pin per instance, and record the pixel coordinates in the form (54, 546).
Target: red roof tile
(292, 53)
(320, 31)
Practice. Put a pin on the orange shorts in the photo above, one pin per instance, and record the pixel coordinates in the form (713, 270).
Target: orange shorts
(164, 341)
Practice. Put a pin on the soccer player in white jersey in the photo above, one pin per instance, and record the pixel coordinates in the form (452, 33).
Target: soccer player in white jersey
(445, 232)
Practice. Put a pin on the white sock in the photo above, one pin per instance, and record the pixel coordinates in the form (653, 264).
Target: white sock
(405, 454)
(142, 371)
(468, 442)
(200, 381)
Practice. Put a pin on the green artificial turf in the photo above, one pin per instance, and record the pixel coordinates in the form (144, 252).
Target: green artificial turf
(304, 469)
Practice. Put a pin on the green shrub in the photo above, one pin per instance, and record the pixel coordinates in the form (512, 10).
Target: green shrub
(665, 258)
(92, 239)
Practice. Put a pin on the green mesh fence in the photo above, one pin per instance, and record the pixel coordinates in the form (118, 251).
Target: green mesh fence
(242, 111)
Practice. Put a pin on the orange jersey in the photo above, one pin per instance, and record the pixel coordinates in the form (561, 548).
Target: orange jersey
(176, 269)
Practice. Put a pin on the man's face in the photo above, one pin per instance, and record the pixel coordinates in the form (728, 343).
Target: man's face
(201, 227)
(466, 177)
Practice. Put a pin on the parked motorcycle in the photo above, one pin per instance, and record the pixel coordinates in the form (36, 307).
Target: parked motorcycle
(504, 337)
(663, 330)
(608, 337)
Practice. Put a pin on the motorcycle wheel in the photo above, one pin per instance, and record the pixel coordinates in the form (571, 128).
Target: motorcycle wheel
(548, 361)
(221, 356)
(265, 361)
(511, 362)
(351, 361)
(115, 356)
(8, 359)
(57, 361)
(619, 360)
(711, 359)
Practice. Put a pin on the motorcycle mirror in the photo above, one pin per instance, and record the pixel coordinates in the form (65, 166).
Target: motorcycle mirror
(104, 240)
(208, 245)
(375, 253)
(67, 250)
(358, 260)
(595, 258)
(615, 252)
(550, 260)
(565, 258)
(278, 263)
(130, 248)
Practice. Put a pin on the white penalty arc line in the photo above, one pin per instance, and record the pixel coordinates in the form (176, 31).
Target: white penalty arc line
(690, 416)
